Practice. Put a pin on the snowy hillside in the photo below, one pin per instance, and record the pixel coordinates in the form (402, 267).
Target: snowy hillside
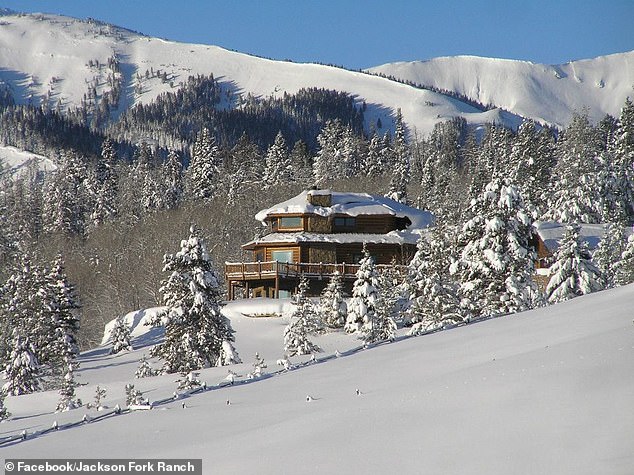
(546, 391)
(545, 93)
(62, 61)
(16, 161)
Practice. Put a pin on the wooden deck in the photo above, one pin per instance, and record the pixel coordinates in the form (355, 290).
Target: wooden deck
(238, 273)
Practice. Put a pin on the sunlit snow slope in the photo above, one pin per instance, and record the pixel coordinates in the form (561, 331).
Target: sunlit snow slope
(56, 60)
(547, 93)
(546, 391)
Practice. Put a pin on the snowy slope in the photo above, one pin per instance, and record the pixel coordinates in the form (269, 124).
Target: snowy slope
(55, 59)
(547, 93)
(16, 161)
(546, 391)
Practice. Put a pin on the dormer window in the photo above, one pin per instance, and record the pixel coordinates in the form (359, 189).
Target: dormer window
(345, 223)
(288, 223)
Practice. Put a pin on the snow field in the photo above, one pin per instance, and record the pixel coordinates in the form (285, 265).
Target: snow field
(546, 391)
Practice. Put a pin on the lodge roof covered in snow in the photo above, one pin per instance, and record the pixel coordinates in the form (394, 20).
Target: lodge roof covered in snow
(348, 204)
(551, 233)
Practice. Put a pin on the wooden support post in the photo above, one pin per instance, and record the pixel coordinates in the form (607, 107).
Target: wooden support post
(277, 286)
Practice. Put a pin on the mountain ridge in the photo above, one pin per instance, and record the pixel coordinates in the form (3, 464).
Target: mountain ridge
(64, 62)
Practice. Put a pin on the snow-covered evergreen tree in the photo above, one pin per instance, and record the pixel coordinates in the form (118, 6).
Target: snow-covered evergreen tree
(120, 336)
(134, 397)
(61, 307)
(624, 271)
(332, 305)
(196, 333)
(21, 372)
(144, 370)
(65, 197)
(329, 162)
(100, 395)
(382, 326)
(104, 188)
(172, 172)
(4, 412)
(435, 302)
(203, 175)
(362, 305)
(496, 264)
(278, 168)
(401, 164)
(374, 164)
(68, 400)
(607, 255)
(304, 321)
(573, 273)
(576, 189)
(258, 365)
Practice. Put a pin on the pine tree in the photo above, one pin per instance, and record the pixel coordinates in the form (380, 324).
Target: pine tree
(62, 309)
(203, 175)
(332, 305)
(278, 169)
(303, 321)
(362, 305)
(374, 164)
(4, 412)
(329, 163)
(173, 179)
(196, 333)
(258, 365)
(105, 185)
(67, 391)
(22, 369)
(623, 159)
(576, 188)
(388, 307)
(401, 163)
(120, 336)
(624, 271)
(144, 370)
(65, 197)
(608, 253)
(573, 273)
(435, 301)
(100, 395)
(496, 264)
(134, 397)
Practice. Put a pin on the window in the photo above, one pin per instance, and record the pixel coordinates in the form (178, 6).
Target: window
(282, 256)
(345, 222)
(290, 222)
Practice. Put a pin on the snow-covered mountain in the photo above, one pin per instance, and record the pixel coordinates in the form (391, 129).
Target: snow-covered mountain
(546, 93)
(63, 61)
(545, 391)
(58, 60)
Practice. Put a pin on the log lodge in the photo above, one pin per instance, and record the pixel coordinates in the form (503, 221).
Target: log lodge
(319, 232)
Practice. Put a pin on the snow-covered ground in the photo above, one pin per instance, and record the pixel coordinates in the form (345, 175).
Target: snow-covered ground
(16, 161)
(547, 93)
(546, 391)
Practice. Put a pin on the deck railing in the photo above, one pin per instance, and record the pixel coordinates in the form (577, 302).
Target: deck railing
(271, 269)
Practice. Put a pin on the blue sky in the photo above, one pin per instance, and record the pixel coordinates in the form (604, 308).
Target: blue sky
(364, 33)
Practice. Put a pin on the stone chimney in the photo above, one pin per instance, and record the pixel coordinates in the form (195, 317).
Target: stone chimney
(320, 198)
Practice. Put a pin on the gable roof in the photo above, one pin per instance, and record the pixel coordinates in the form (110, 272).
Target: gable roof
(350, 204)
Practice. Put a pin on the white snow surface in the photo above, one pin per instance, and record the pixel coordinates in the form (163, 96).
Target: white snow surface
(545, 391)
(393, 237)
(350, 204)
(551, 233)
(57, 59)
(17, 161)
(546, 93)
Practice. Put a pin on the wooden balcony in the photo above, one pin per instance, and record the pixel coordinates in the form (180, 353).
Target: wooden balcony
(239, 273)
